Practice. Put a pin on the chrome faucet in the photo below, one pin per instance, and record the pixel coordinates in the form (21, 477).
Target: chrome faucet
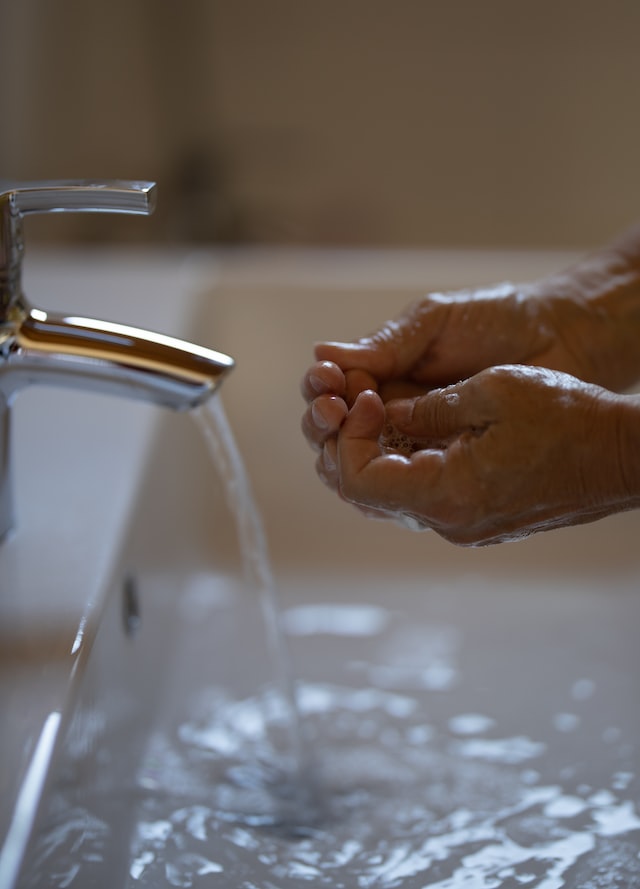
(37, 346)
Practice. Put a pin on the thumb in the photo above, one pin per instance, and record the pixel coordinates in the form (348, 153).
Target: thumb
(359, 436)
(438, 415)
(366, 418)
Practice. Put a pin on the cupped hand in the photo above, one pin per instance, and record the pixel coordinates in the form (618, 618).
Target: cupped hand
(445, 337)
(440, 339)
(509, 451)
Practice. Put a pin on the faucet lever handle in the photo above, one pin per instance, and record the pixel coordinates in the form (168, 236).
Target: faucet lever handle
(83, 195)
(18, 199)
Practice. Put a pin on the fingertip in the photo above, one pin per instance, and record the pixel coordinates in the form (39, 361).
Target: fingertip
(324, 367)
(324, 351)
(328, 413)
(323, 377)
(369, 396)
(366, 417)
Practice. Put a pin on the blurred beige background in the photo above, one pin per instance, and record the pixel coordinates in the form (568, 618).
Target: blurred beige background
(342, 122)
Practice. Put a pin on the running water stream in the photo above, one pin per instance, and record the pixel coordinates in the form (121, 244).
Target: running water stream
(260, 583)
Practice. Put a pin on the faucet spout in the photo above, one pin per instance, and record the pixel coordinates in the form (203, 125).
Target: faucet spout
(106, 357)
(99, 356)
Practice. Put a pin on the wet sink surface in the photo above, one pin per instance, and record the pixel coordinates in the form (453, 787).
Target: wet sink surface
(466, 735)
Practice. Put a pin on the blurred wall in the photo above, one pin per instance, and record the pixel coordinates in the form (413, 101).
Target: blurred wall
(357, 122)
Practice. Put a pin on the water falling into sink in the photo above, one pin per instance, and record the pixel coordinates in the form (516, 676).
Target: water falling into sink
(259, 579)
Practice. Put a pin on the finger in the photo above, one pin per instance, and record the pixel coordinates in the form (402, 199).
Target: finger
(327, 464)
(437, 415)
(349, 356)
(358, 447)
(323, 377)
(363, 426)
(323, 418)
(392, 350)
(401, 389)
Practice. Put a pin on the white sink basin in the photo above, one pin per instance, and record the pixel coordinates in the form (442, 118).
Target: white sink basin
(471, 715)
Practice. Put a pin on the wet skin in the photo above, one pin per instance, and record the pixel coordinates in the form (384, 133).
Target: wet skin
(511, 395)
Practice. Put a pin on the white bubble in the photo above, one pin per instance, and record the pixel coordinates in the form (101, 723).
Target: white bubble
(470, 724)
(566, 722)
(582, 689)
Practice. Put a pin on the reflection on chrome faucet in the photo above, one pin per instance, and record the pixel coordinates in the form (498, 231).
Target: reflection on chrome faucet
(41, 347)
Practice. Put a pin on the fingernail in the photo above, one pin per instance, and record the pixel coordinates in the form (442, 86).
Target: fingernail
(318, 418)
(329, 462)
(317, 384)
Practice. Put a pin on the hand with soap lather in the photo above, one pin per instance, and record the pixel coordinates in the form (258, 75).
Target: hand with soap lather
(490, 414)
